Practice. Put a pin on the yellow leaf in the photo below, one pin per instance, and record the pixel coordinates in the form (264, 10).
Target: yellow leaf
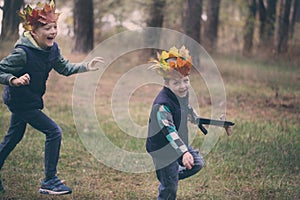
(164, 55)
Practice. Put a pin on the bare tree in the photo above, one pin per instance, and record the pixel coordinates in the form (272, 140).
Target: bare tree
(10, 21)
(212, 23)
(282, 32)
(83, 26)
(156, 13)
(192, 19)
(267, 17)
(295, 11)
(249, 27)
(156, 19)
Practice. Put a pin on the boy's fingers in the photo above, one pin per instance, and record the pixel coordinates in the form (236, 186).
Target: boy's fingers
(228, 130)
(188, 161)
(25, 79)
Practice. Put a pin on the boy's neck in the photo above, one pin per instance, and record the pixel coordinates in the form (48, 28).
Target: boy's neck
(31, 39)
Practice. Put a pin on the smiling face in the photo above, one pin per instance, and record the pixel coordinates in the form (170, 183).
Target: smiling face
(45, 35)
(179, 86)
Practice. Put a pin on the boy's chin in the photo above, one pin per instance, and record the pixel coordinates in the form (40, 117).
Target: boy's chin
(50, 43)
(181, 95)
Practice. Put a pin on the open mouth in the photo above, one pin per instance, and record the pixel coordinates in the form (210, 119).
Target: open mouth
(182, 92)
(50, 38)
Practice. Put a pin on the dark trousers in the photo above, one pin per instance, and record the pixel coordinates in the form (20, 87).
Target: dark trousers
(38, 120)
(170, 175)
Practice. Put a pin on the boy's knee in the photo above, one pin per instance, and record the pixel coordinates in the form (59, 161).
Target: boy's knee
(55, 133)
(197, 168)
(198, 159)
(199, 164)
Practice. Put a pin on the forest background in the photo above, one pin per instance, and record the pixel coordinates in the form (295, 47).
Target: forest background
(256, 46)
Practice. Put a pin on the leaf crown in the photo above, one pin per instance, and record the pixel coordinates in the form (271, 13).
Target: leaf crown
(41, 14)
(174, 60)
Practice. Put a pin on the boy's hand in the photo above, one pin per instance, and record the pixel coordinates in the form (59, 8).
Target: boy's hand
(228, 129)
(22, 80)
(92, 65)
(188, 160)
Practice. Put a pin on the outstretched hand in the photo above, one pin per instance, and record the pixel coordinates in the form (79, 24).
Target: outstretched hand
(22, 80)
(228, 129)
(92, 65)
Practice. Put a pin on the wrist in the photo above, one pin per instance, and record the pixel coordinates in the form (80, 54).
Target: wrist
(183, 154)
(10, 81)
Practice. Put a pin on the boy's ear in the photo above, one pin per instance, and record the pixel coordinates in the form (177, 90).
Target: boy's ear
(167, 81)
(33, 33)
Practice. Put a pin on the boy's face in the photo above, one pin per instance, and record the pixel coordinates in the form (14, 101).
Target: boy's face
(45, 35)
(179, 86)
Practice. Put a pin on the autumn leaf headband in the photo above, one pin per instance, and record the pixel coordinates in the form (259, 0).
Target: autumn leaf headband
(42, 14)
(173, 62)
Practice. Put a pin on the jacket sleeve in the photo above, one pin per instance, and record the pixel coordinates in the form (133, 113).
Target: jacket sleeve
(12, 64)
(64, 67)
(165, 121)
(192, 115)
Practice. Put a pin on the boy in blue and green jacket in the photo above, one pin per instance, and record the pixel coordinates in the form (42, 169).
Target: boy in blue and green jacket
(167, 141)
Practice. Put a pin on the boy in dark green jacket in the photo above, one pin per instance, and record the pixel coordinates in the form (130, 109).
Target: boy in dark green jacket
(25, 72)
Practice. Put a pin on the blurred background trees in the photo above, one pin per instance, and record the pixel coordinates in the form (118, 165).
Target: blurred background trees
(212, 24)
(221, 25)
(249, 27)
(10, 22)
(83, 17)
(191, 23)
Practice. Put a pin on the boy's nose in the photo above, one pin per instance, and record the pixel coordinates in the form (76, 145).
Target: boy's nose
(182, 85)
(53, 30)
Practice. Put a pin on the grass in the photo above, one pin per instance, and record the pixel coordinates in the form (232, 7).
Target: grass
(259, 161)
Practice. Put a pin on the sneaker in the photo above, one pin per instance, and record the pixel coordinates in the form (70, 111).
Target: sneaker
(1, 187)
(54, 186)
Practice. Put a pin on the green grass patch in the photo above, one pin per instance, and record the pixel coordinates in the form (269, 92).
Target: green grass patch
(259, 161)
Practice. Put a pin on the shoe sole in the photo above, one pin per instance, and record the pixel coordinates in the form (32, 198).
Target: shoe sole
(45, 191)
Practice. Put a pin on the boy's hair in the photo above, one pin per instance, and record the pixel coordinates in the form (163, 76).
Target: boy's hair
(167, 80)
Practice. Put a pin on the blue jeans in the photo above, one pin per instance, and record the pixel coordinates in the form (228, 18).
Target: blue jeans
(38, 120)
(170, 175)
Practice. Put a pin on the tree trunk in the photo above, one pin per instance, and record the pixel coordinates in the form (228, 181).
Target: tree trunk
(282, 33)
(249, 27)
(10, 21)
(156, 19)
(297, 15)
(83, 26)
(192, 19)
(295, 10)
(262, 10)
(212, 23)
(156, 13)
(267, 16)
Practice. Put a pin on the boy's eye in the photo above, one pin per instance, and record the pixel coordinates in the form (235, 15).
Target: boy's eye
(46, 27)
(49, 27)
